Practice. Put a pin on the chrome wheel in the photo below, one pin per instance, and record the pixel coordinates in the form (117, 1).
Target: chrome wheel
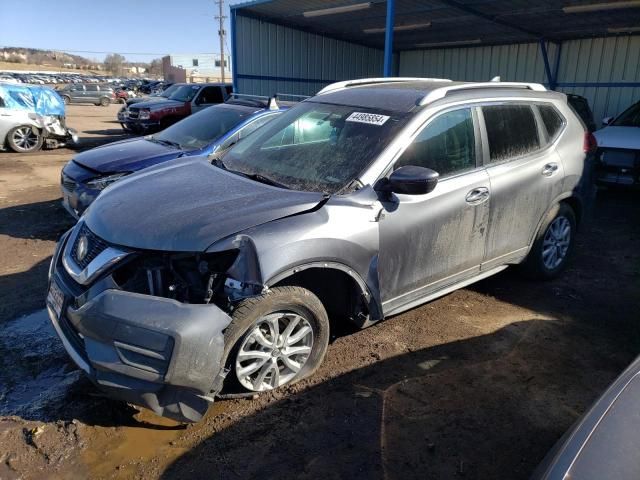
(25, 139)
(556, 242)
(274, 351)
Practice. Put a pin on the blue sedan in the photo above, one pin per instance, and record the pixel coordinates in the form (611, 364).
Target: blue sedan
(216, 128)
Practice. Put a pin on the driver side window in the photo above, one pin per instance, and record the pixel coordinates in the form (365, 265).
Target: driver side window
(447, 145)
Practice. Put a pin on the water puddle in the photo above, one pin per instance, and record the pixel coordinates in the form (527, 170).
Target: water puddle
(36, 374)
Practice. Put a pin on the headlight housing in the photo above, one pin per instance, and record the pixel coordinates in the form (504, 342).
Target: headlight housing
(144, 114)
(101, 183)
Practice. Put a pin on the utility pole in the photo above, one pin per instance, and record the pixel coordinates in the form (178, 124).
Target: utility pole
(221, 33)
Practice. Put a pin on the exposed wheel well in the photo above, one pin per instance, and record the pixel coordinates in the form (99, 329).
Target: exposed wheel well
(339, 293)
(576, 206)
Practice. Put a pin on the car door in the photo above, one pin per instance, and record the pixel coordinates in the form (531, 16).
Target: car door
(91, 93)
(525, 174)
(429, 242)
(208, 96)
(77, 93)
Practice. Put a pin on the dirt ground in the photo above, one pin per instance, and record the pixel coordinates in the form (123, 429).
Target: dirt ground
(478, 384)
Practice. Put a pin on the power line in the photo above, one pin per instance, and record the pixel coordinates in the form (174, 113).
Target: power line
(64, 50)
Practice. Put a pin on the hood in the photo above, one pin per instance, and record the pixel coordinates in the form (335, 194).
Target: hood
(126, 156)
(151, 99)
(188, 205)
(158, 104)
(619, 137)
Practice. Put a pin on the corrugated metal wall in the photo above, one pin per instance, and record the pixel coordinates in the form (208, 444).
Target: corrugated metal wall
(272, 58)
(602, 60)
(598, 60)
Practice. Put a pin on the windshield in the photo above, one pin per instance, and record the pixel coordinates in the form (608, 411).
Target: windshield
(629, 118)
(184, 93)
(200, 129)
(316, 147)
(166, 93)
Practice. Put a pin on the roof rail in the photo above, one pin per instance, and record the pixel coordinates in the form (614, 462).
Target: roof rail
(442, 92)
(367, 81)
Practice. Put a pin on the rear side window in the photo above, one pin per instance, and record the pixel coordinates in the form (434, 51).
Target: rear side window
(210, 95)
(552, 120)
(92, 88)
(511, 131)
(446, 145)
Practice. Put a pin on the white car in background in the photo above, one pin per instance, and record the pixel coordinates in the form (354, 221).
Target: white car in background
(619, 148)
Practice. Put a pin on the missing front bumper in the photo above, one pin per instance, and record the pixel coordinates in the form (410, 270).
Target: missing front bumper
(149, 351)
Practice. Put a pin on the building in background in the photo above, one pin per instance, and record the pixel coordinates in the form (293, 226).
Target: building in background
(195, 68)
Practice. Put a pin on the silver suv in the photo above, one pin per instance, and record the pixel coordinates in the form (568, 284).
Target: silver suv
(369, 199)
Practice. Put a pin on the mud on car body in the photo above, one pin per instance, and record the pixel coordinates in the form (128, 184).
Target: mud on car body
(368, 199)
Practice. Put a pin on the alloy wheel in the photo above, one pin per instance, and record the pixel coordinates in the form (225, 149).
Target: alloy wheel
(556, 243)
(25, 139)
(274, 351)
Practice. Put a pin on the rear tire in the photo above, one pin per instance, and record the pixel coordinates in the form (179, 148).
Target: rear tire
(104, 101)
(66, 99)
(276, 339)
(553, 245)
(25, 139)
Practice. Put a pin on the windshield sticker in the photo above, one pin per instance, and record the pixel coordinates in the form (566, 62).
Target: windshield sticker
(369, 118)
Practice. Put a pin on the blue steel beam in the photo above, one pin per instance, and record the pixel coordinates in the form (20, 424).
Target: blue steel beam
(388, 38)
(234, 52)
(547, 67)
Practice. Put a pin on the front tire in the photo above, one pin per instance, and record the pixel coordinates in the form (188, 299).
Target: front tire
(66, 99)
(24, 139)
(553, 245)
(276, 339)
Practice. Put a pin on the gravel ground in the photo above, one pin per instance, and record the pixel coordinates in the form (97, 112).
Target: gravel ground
(478, 384)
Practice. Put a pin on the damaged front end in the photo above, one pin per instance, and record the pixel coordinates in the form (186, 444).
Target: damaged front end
(147, 327)
(40, 107)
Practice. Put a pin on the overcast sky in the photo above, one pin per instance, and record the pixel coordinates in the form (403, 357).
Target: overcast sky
(150, 27)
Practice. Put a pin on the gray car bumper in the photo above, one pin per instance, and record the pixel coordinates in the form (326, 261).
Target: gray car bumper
(150, 351)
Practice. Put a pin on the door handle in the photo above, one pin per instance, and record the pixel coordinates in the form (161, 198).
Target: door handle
(477, 196)
(549, 169)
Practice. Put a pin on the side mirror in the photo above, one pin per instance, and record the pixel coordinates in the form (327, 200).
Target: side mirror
(607, 120)
(410, 180)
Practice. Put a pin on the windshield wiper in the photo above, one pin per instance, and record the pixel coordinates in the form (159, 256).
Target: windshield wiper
(153, 139)
(262, 179)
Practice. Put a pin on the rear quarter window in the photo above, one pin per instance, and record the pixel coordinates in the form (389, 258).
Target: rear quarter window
(552, 121)
(511, 131)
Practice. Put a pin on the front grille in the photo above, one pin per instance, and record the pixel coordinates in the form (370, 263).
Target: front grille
(133, 113)
(68, 183)
(95, 247)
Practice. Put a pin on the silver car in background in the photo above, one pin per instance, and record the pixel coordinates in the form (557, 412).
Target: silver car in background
(32, 116)
(605, 442)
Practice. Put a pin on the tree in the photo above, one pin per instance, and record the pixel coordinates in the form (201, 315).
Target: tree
(155, 67)
(113, 63)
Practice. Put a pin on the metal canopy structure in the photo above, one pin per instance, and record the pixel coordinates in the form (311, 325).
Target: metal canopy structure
(420, 24)
(315, 42)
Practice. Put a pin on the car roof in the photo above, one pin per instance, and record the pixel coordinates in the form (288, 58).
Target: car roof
(407, 94)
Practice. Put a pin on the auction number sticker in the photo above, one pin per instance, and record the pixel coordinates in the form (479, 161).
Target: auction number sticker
(369, 118)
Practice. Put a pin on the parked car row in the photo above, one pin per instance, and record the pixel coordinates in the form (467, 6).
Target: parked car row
(213, 253)
(43, 78)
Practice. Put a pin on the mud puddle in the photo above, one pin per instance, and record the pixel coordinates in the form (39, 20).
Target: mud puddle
(36, 375)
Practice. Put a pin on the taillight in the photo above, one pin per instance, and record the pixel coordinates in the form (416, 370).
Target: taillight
(590, 143)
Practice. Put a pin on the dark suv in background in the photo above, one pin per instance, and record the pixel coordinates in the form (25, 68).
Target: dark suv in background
(159, 112)
(88, 93)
